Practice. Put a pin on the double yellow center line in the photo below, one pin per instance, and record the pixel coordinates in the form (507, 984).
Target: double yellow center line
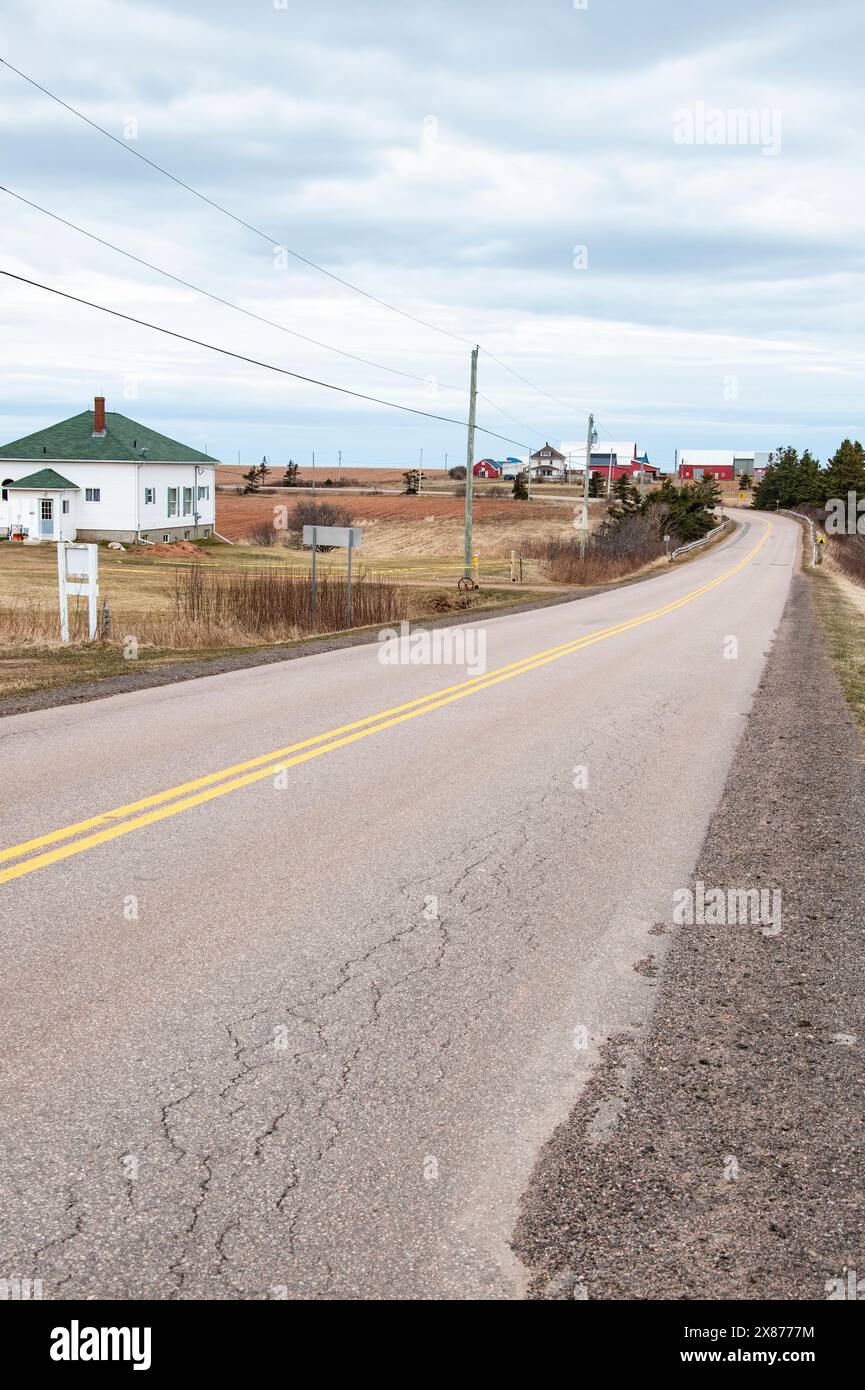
(110, 825)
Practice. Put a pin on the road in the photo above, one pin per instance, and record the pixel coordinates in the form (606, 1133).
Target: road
(301, 1029)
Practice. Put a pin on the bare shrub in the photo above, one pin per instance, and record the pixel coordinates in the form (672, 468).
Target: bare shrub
(309, 512)
(263, 533)
(276, 603)
(615, 549)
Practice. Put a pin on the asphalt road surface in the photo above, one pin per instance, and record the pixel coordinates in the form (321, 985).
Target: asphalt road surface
(302, 1027)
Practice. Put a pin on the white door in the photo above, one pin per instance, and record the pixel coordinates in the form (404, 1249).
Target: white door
(46, 516)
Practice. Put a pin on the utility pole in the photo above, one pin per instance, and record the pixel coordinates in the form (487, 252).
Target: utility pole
(529, 476)
(339, 466)
(642, 481)
(584, 520)
(313, 470)
(420, 475)
(470, 458)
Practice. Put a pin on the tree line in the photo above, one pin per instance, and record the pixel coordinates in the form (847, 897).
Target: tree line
(796, 480)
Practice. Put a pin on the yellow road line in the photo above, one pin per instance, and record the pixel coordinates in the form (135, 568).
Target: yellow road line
(215, 784)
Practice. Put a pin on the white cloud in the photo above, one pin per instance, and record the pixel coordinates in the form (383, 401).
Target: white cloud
(449, 159)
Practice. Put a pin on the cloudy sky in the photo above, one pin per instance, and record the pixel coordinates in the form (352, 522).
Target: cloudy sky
(567, 184)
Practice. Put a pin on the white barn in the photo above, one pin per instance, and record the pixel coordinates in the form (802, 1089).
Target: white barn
(101, 476)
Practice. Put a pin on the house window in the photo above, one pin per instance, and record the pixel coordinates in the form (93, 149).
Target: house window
(187, 501)
(46, 509)
(64, 506)
(203, 493)
(149, 496)
(172, 501)
(165, 536)
(6, 483)
(92, 494)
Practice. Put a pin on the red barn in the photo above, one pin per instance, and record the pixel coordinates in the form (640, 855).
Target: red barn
(722, 465)
(692, 472)
(487, 468)
(630, 469)
(611, 459)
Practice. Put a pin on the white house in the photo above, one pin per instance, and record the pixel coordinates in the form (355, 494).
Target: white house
(101, 476)
(547, 463)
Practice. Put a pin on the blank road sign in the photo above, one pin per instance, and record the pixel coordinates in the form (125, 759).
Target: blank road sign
(334, 535)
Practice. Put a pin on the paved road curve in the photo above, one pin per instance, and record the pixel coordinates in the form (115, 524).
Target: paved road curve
(302, 1027)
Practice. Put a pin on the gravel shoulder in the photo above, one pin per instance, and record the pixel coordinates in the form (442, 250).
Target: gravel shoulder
(734, 1162)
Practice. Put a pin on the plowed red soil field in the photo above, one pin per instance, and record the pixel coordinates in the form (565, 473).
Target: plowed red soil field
(237, 516)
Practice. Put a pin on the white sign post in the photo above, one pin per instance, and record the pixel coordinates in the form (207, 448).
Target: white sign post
(77, 569)
(337, 537)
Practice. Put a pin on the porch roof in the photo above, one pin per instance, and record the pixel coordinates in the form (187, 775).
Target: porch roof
(46, 480)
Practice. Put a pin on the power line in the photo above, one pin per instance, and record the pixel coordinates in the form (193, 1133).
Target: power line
(567, 404)
(255, 361)
(227, 303)
(275, 241)
(250, 313)
(522, 424)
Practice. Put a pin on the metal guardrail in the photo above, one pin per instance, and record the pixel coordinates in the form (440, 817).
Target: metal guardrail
(816, 555)
(704, 540)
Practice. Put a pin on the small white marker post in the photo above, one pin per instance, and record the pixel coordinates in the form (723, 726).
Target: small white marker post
(77, 571)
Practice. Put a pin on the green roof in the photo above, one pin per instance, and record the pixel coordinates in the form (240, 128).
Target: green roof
(124, 440)
(46, 480)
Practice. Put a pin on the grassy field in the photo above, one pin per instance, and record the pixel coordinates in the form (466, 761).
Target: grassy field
(400, 530)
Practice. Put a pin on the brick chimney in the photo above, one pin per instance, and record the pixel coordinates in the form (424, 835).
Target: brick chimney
(99, 415)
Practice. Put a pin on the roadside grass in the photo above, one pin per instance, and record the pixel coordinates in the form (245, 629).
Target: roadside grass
(844, 625)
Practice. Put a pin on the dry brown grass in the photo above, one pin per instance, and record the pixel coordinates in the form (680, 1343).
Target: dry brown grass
(612, 552)
(277, 603)
(216, 609)
(30, 623)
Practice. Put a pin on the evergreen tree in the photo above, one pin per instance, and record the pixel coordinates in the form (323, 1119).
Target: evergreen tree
(625, 494)
(846, 471)
(251, 479)
(685, 513)
(595, 485)
(709, 493)
(811, 481)
(520, 488)
(793, 481)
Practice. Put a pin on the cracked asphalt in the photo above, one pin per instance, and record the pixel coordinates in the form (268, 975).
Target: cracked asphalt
(309, 1040)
